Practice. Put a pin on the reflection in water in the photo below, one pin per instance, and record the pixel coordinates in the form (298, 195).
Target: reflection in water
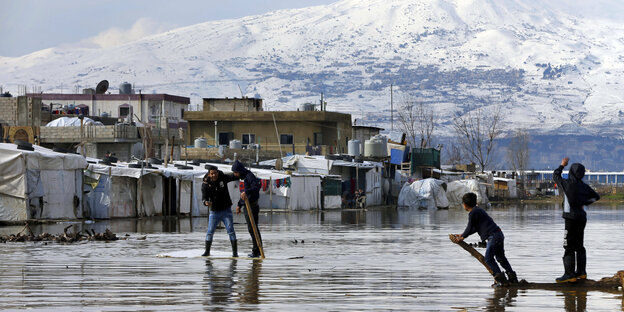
(502, 298)
(575, 301)
(377, 259)
(251, 285)
(218, 286)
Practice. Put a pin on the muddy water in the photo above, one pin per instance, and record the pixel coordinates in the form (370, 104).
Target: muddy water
(380, 259)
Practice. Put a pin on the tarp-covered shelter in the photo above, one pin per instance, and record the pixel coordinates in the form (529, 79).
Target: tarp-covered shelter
(455, 191)
(425, 194)
(39, 184)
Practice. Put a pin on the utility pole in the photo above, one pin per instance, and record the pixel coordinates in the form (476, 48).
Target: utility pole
(391, 110)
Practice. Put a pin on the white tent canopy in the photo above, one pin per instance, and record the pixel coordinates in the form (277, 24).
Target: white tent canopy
(39, 184)
(72, 122)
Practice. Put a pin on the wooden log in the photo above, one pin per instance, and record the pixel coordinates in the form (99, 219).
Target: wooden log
(472, 251)
(604, 284)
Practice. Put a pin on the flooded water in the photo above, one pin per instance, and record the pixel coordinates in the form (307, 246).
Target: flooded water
(380, 259)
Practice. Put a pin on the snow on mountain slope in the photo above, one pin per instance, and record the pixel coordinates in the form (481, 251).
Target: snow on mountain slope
(546, 65)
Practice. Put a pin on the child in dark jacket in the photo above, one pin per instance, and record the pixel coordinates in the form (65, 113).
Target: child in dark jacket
(576, 195)
(251, 192)
(215, 195)
(479, 221)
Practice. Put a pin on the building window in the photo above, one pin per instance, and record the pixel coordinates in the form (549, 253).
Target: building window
(125, 110)
(181, 113)
(225, 138)
(318, 138)
(248, 138)
(286, 139)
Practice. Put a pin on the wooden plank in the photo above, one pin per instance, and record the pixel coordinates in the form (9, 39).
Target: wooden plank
(604, 284)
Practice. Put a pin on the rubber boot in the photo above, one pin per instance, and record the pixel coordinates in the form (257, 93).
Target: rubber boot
(234, 248)
(581, 262)
(207, 252)
(500, 279)
(511, 276)
(568, 276)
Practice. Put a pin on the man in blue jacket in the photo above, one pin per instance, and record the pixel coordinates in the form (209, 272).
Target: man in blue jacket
(576, 195)
(250, 192)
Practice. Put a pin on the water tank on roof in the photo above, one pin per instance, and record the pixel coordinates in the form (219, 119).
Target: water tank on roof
(306, 107)
(354, 148)
(125, 88)
(201, 143)
(374, 148)
(236, 144)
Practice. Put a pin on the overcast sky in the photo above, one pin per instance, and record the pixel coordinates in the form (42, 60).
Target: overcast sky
(31, 25)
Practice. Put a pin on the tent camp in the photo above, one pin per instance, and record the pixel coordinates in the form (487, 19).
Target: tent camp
(39, 184)
(366, 175)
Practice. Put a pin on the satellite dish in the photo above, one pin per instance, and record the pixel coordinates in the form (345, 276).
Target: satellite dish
(101, 87)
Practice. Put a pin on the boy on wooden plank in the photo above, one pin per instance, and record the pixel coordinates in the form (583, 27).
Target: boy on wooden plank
(215, 195)
(576, 196)
(479, 221)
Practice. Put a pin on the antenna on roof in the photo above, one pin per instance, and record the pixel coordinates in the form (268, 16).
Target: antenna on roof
(241, 91)
(101, 87)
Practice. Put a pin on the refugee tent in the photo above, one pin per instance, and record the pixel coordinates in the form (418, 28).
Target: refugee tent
(114, 192)
(39, 184)
(455, 191)
(427, 194)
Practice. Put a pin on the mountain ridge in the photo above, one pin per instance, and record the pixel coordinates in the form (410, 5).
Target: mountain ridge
(548, 69)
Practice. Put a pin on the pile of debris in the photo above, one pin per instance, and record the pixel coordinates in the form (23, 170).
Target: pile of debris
(61, 238)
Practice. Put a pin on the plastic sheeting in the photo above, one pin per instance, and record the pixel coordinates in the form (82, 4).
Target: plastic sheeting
(427, 194)
(72, 122)
(373, 187)
(305, 192)
(455, 191)
(332, 201)
(152, 194)
(39, 184)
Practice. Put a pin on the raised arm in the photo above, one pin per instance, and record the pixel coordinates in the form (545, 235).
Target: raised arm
(557, 173)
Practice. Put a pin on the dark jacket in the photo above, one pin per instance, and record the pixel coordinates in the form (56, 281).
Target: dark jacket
(577, 193)
(217, 192)
(251, 183)
(479, 221)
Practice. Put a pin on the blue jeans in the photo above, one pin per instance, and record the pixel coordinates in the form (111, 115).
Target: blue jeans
(214, 219)
(496, 248)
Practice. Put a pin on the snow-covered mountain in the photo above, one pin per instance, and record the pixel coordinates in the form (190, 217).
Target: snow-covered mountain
(552, 69)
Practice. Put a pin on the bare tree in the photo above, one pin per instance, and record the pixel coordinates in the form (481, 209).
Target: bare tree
(477, 131)
(417, 121)
(518, 155)
(453, 154)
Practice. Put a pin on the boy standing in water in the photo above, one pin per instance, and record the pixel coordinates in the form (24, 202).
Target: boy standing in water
(251, 192)
(479, 221)
(576, 195)
(216, 196)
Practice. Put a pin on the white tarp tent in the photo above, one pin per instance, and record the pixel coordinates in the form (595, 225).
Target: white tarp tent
(455, 191)
(39, 184)
(72, 122)
(427, 193)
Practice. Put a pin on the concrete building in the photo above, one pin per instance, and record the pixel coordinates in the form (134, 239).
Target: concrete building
(152, 109)
(20, 118)
(316, 132)
(232, 105)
